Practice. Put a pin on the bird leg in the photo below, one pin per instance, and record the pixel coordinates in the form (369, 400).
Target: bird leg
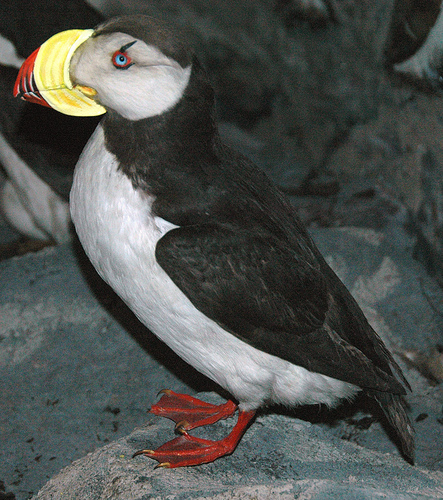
(188, 450)
(188, 412)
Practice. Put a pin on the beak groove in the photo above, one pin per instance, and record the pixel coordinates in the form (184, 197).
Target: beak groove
(25, 86)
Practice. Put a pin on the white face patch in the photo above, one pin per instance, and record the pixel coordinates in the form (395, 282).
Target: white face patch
(151, 85)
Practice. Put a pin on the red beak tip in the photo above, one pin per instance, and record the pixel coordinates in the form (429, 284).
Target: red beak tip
(25, 87)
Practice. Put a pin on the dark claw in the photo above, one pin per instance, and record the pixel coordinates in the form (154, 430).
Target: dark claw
(164, 391)
(181, 427)
(142, 452)
(163, 465)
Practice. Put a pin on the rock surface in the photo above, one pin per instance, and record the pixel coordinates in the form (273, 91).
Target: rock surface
(280, 457)
(318, 99)
(77, 372)
(315, 98)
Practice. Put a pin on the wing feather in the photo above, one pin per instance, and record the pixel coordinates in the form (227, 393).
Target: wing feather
(275, 298)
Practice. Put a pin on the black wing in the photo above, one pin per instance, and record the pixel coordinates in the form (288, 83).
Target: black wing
(277, 299)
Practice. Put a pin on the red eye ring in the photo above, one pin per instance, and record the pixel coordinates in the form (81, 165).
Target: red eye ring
(121, 60)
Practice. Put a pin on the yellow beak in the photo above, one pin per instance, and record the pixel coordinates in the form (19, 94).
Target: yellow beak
(44, 77)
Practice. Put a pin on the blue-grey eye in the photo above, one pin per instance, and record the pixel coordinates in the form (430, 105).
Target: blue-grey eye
(121, 60)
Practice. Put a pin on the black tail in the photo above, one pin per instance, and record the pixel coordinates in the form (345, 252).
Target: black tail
(394, 407)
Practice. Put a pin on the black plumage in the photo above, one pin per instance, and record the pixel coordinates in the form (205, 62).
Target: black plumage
(241, 254)
(234, 258)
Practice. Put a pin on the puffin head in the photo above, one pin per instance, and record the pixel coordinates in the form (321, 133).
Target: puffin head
(133, 65)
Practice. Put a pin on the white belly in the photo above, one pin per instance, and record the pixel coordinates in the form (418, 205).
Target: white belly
(119, 234)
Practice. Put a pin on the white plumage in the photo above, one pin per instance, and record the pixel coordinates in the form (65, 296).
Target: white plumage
(158, 84)
(119, 234)
(205, 250)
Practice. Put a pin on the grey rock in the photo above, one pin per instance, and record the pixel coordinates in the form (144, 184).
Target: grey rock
(279, 457)
(319, 98)
(71, 377)
(78, 372)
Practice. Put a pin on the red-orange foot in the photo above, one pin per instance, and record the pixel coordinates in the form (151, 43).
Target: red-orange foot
(188, 450)
(188, 412)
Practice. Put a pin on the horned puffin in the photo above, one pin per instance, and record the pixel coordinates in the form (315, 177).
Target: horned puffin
(199, 243)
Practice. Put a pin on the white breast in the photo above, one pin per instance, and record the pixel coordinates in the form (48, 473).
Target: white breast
(119, 233)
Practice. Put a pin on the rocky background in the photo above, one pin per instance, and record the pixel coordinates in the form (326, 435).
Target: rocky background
(307, 90)
(313, 91)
